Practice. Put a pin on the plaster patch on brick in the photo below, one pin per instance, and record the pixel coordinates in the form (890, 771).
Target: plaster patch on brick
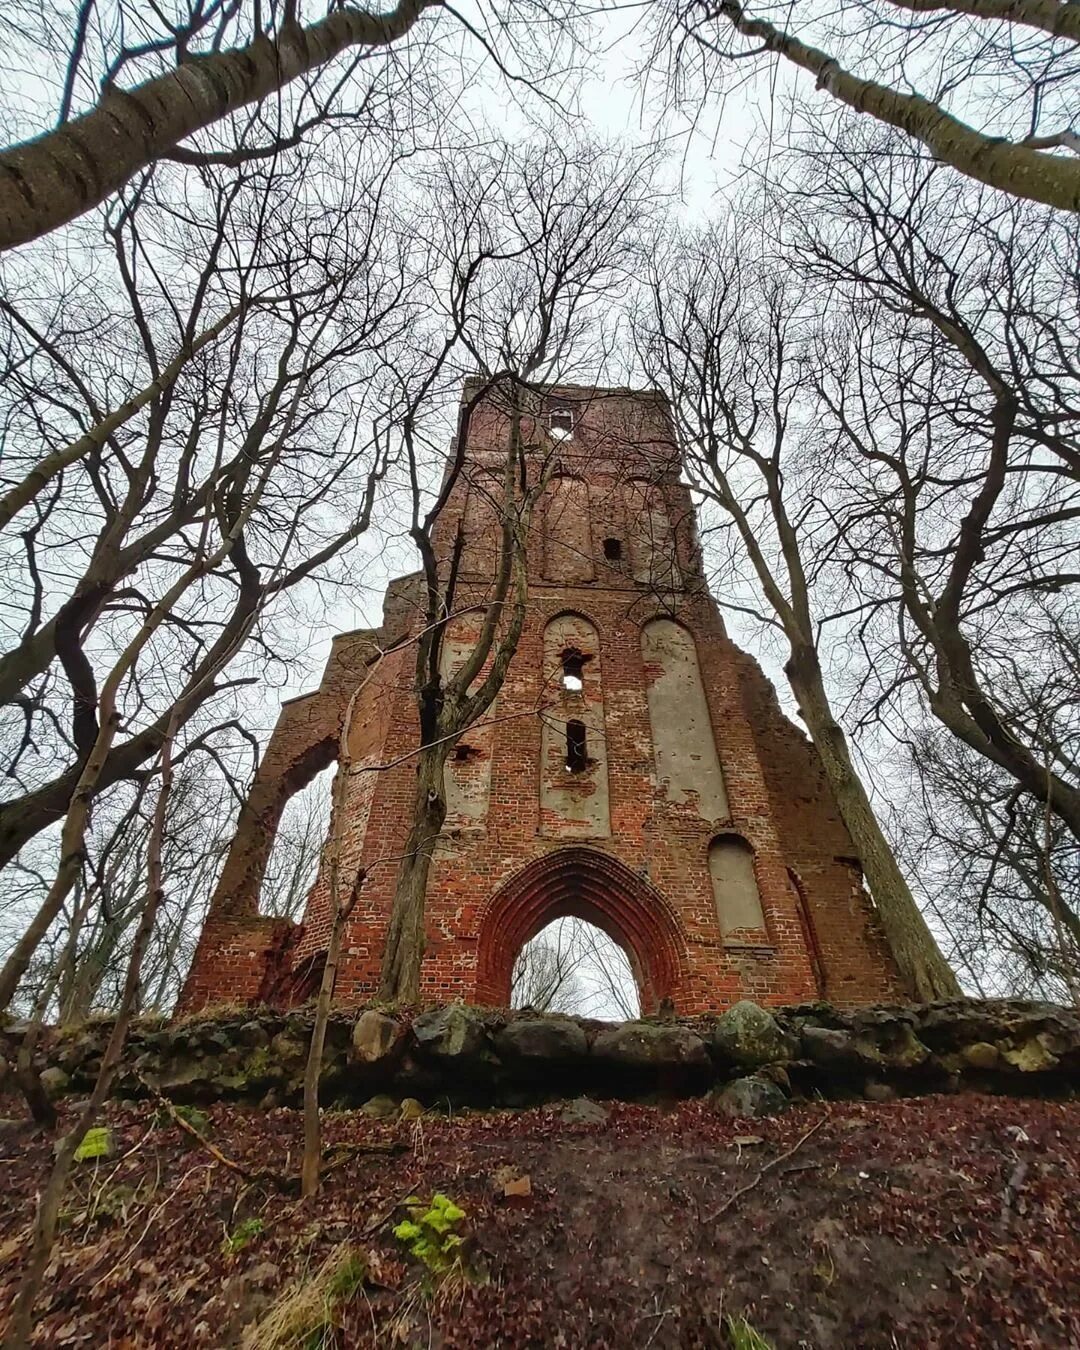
(687, 765)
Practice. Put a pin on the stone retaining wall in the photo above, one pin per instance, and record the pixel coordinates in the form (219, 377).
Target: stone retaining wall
(460, 1054)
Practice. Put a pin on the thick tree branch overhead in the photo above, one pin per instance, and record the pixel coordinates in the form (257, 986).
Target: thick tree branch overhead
(1015, 168)
(984, 86)
(55, 177)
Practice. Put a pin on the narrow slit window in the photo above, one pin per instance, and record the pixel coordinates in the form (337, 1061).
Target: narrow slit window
(573, 672)
(577, 753)
(561, 423)
(613, 550)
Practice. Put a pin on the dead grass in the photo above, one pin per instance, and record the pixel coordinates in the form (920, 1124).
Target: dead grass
(218, 1012)
(312, 1304)
(744, 1337)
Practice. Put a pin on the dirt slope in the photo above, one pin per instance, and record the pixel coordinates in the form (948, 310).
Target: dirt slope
(948, 1221)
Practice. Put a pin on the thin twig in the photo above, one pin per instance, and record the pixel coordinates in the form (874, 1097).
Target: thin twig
(736, 1195)
(285, 1185)
(342, 1153)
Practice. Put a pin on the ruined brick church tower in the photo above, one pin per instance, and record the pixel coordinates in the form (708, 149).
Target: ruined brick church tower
(635, 769)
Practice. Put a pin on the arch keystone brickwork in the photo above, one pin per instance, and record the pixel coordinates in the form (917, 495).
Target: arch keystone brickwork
(590, 885)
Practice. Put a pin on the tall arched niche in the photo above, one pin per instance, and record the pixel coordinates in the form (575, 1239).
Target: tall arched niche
(735, 887)
(687, 765)
(467, 776)
(481, 525)
(568, 552)
(573, 745)
(653, 545)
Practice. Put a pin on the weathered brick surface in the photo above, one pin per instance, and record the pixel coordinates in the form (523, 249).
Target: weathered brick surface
(526, 840)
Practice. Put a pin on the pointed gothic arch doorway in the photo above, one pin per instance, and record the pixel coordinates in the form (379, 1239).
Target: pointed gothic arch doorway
(589, 885)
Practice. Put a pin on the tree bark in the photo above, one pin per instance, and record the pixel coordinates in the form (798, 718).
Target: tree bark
(405, 940)
(22, 819)
(59, 175)
(1060, 20)
(46, 469)
(312, 1163)
(1035, 174)
(923, 970)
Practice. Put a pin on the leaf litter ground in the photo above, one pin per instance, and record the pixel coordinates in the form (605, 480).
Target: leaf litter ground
(939, 1221)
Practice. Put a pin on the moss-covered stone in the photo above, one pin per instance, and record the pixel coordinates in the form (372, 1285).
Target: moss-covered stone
(747, 1036)
(1031, 1056)
(981, 1055)
(749, 1097)
(456, 1032)
(380, 1107)
(649, 1045)
(377, 1040)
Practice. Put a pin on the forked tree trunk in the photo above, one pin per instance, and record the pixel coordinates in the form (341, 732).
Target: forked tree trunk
(923, 970)
(404, 950)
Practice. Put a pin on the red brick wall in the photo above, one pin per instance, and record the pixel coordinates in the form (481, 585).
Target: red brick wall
(499, 876)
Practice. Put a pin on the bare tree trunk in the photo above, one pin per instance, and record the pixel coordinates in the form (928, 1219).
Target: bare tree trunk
(38, 1101)
(1050, 16)
(1010, 167)
(56, 177)
(94, 770)
(48, 1211)
(403, 953)
(1057, 909)
(924, 971)
(309, 1172)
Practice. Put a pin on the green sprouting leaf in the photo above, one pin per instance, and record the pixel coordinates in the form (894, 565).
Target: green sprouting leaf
(197, 1119)
(244, 1233)
(96, 1143)
(429, 1234)
(454, 1213)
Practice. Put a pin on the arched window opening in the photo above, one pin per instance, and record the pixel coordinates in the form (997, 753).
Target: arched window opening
(467, 778)
(561, 424)
(613, 550)
(590, 885)
(735, 888)
(573, 671)
(573, 754)
(577, 750)
(572, 966)
(298, 844)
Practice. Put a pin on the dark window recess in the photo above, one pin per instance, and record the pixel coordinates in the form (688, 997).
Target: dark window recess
(577, 754)
(465, 752)
(613, 550)
(573, 671)
(561, 422)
